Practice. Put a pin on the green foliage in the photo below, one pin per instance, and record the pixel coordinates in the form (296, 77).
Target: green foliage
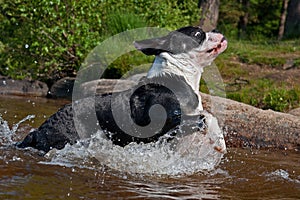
(263, 18)
(118, 22)
(48, 40)
(280, 99)
(266, 94)
(229, 16)
(168, 14)
(135, 62)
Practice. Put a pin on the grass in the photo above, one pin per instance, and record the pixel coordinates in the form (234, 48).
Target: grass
(254, 73)
(267, 94)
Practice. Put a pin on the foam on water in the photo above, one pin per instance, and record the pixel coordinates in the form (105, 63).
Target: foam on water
(282, 174)
(189, 154)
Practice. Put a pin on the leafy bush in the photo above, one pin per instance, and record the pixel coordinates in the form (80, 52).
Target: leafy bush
(47, 40)
(263, 19)
(118, 22)
(168, 14)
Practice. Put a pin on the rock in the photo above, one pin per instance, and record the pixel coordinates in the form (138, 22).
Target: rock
(9, 86)
(104, 86)
(63, 88)
(295, 112)
(245, 125)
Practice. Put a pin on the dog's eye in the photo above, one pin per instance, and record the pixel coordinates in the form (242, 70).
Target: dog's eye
(198, 33)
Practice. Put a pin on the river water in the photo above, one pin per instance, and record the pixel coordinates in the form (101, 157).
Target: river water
(72, 174)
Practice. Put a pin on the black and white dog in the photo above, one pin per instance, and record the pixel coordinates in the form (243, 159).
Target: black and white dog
(172, 82)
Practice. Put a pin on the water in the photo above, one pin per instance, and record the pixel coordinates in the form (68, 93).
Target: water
(78, 172)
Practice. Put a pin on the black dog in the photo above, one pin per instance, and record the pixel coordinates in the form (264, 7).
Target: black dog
(133, 115)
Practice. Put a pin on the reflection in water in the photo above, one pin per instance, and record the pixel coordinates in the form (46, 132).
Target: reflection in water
(13, 108)
(242, 174)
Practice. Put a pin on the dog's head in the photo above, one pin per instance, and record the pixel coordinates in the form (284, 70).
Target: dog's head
(187, 40)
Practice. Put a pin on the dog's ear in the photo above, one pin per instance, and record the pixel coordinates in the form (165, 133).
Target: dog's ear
(151, 46)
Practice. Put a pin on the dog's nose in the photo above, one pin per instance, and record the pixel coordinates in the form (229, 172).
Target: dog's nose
(223, 38)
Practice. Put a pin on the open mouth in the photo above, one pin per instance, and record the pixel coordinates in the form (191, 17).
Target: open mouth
(220, 47)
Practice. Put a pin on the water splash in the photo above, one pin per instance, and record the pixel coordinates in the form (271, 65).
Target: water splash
(186, 155)
(282, 174)
(7, 134)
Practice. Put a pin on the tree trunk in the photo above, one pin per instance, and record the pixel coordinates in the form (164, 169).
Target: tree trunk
(209, 14)
(292, 25)
(242, 25)
(283, 18)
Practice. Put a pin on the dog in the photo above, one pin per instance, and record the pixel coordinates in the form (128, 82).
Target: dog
(133, 115)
